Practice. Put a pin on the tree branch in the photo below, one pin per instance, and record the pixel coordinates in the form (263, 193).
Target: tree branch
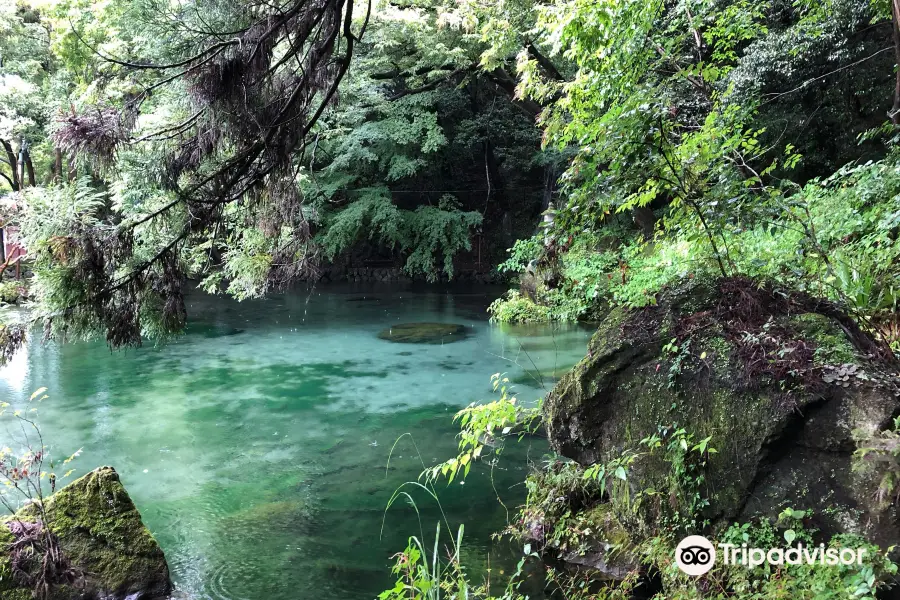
(545, 63)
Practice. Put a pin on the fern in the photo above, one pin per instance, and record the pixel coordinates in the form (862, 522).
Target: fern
(429, 236)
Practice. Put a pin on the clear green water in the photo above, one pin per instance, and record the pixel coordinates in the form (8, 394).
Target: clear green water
(255, 446)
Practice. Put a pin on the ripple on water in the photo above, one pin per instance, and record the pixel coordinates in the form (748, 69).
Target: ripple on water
(221, 581)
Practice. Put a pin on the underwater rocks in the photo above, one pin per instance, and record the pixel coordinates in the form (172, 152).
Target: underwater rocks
(424, 333)
(784, 384)
(111, 553)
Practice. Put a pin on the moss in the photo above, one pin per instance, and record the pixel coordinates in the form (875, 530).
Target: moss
(13, 292)
(7, 586)
(832, 345)
(424, 333)
(718, 350)
(602, 519)
(101, 530)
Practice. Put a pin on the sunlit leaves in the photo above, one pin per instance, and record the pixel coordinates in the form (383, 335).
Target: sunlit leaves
(483, 428)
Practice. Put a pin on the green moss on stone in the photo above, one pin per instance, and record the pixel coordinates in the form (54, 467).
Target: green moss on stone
(101, 533)
(100, 529)
(832, 345)
(424, 333)
(602, 520)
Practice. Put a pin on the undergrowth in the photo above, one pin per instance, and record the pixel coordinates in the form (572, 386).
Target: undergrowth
(574, 511)
(835, 238)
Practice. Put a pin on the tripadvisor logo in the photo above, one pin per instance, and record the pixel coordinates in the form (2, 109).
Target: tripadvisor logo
(696, 555)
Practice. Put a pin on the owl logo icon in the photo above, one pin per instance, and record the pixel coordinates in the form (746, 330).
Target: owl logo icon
(695, 555)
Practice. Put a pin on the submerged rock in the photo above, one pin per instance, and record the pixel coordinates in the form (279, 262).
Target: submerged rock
(783, 383)
(102, 537)
(214, 330)
(424, 333)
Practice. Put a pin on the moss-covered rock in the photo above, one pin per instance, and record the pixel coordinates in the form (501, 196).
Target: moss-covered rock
(13, 292)
(424, 333)
(749, 367)
(101, 534)
(607, 548)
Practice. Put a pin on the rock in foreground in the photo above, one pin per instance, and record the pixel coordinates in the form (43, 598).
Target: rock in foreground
(101, 534)
(784, 384)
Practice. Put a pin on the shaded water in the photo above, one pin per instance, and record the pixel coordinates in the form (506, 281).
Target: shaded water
(255, 445)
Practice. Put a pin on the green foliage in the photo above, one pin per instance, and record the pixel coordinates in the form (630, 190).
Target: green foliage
(420, 576)
(879, 454)
(436, 235)
(486, 426)
(414, 118)
(557, 515)
(686, 459)
(515, 308)
(373, 214)
(13, 292)
(521, 254)
(429, 236)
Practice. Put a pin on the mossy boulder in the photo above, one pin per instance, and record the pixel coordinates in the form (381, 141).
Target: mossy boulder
(783, 383)
(101, 534)
(607, 548)
(424, 333)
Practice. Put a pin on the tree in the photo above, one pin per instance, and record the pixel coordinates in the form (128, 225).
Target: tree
(194, 141)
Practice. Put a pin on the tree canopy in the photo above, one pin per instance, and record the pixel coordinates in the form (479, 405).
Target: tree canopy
(248, 145)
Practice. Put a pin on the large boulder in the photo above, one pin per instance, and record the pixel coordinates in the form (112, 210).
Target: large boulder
(785, 384)
(112, 555)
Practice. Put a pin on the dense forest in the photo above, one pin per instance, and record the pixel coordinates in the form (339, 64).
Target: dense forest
(591, 155)
(247, 147)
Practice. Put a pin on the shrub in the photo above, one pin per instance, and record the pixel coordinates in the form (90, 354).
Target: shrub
(13, 292)
(515, 308)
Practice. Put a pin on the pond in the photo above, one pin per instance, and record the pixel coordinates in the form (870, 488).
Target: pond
(256, 444)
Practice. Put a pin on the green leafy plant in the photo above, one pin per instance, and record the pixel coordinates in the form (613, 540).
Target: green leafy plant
(486, 426)
(515, 308)
(27, 475)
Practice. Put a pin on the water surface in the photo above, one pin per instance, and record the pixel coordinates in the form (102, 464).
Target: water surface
(255, 445)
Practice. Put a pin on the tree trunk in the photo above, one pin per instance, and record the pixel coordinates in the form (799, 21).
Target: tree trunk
(895, 21)
(56, 173)
(13, 164)
(29, 167)
(20, 166)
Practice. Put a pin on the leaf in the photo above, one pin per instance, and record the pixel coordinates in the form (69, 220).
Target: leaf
(37, 393)
(620, 473)
(789, 536)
